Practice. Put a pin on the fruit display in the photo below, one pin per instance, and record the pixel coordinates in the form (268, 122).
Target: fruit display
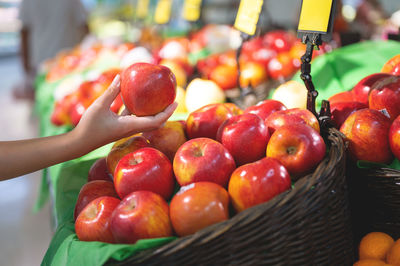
(219, 157)
(378, 248)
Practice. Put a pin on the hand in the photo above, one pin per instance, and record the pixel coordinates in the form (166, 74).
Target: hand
(99, 125)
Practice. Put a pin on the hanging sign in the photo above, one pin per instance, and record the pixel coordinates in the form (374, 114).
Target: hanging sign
(191, 10)
(163, 11)
(248, 15)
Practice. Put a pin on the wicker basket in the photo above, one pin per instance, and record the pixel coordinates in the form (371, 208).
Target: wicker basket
(308, 225)
(375, 200)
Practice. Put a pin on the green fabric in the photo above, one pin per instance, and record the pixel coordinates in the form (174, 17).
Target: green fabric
(343, 68)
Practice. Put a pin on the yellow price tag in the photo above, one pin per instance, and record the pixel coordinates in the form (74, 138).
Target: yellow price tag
(163, 11)
(247, 16)
(191, 10)
(314, 15)
(142, 9)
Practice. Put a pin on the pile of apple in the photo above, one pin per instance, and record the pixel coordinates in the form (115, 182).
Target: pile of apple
(369, 115)
(220, 156)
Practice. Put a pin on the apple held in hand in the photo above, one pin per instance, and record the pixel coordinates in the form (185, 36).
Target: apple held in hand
(197, 206)
(394, 137)
(204, 122)
(147, 89)
(298, 147)
(140, 215)
(290, 117)
(144, 169)
(385, 94)
(203, 159)
(93, 223)
(341, 110)
(245, 136)
(132, 144)
(257, 182)
(361, 90)
(98, 171)
(168, 138)
(91, 191)
(265, 108)
(368, 133)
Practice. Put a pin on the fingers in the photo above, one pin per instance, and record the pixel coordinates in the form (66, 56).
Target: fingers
(111, 93)
(164, 115)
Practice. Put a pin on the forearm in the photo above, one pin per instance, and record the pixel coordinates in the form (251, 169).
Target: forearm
(25, 156)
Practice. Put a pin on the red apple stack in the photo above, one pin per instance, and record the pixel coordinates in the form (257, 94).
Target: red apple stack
(394, 137)
(99, 171)
(265, 108)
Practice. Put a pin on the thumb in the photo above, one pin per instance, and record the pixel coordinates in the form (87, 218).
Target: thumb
(111, 93)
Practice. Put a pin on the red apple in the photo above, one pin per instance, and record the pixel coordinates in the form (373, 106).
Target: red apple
(257, 182)
(140, 215)
(289, 117)
(265, 108)
(298, 147)
(203, 159)
(132, 144)
(197, 206)
(225, 76)
(392, 65)
(279, 40)
(341, 110)
(245, 136)
(252, 73)
(91, 191)
(93, 223)
(363, 87)
(341, 97)
(204, 122)
(117, 104)
(147, 89)
(394, 137)
(281, 66)
(168, 138)
(98, 171)
(144, 169)
(234, 108)
(385, 94)
(368, 133)
(262, 56)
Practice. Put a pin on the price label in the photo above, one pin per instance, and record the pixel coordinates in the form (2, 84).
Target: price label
(248, 15)
(191, 10)
(163, 11)
(142, 9)
(315, 15)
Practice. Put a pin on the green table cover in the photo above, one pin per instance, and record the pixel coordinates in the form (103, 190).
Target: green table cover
(334, 72)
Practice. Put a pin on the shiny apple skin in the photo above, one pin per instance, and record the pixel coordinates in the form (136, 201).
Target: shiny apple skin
(245, 136)
(385, 94)
(99, 171)
(167, 138)
(93, 223)
(130, 145)
(392, 65)
(91, 191)
(289, 117)
(144, 169)
(367, 131)
(147, 89)
(298, 147)
(363, 87)
(141, 215)
(254, 183)
(340, 111)
(203, 159)
(394, 137)
(345, 96)
(205, 121)
(234, 108)
(197, 206)
(264, 108)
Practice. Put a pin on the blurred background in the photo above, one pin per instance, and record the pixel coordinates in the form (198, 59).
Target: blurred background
(25, 235)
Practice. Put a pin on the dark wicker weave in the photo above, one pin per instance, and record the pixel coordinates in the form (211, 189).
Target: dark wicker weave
(375, 201)
(308, 225)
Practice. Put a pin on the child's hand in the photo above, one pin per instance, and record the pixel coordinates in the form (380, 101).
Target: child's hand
(99, 125)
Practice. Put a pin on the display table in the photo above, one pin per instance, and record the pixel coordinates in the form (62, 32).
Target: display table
(337, 71)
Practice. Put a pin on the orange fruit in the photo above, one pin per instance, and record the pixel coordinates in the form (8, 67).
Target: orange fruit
(393, 256)
(375, 245)
(370, 262)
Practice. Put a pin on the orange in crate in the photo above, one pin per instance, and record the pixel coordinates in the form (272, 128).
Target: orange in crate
(375, 245)
(393, 256)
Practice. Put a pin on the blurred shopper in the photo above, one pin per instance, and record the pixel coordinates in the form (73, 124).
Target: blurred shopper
(48, 26)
